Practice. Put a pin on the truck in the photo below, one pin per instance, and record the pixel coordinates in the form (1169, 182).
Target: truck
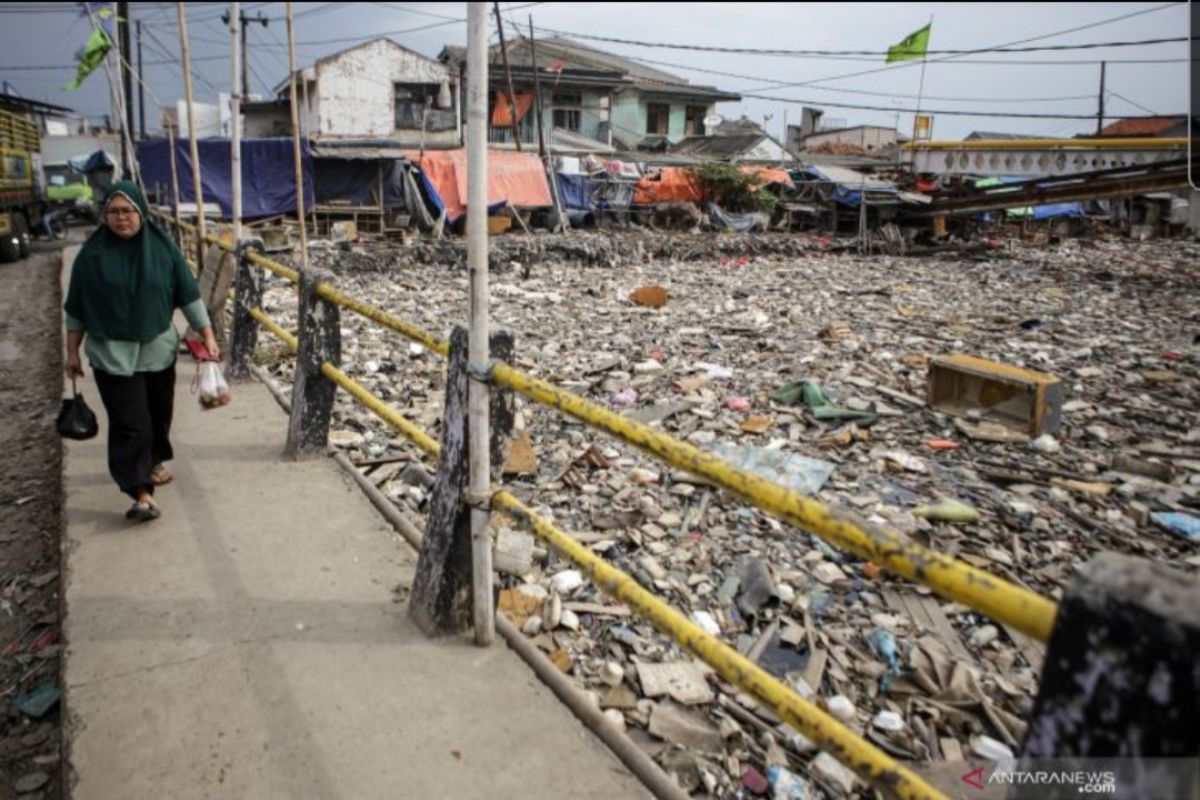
(21, 195)
(69, 192)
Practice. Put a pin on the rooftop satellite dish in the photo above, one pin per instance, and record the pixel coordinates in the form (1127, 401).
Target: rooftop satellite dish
(713, 120)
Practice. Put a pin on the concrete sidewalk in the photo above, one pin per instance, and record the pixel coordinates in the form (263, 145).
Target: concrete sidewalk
(249, 644)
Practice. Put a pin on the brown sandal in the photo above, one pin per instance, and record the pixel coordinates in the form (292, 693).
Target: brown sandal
(160, 475)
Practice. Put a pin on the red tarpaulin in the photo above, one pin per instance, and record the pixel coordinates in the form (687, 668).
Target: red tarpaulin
(516, 177)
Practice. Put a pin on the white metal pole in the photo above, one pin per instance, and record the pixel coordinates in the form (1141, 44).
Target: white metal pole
(477, 265)
(235, 121)
(195, 147)
(296, 141)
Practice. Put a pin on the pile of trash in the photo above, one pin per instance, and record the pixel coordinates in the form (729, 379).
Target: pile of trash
(522, 253)
(813, 370)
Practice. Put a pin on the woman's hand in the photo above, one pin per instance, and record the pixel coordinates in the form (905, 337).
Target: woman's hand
(74, 366)
(210, 344)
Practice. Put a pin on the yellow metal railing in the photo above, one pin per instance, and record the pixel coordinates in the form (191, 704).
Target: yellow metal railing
(867, 761)
(1002, 601)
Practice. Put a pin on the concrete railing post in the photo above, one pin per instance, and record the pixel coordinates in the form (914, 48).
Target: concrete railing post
(312, 393)
(1120, 688)
(248, 290)
(442, 599)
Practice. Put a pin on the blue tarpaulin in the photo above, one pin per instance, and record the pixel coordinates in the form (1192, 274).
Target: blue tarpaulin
(584, 193)
(268, 173)
(98, 161)
(573, 189)
(431, 194)
(848, 185)
(1048, 211)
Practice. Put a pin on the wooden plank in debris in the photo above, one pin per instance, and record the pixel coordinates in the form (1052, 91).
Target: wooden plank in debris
(927, 613)
(598, 609)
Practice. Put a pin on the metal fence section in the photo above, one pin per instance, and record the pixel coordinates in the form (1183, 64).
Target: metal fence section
(998, 599)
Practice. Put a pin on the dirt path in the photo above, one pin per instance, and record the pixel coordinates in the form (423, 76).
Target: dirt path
(30, 525)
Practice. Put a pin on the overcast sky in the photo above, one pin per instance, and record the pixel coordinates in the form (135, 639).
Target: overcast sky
(49, 35)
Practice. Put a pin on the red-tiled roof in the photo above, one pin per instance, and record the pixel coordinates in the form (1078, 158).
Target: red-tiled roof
(1150, 126)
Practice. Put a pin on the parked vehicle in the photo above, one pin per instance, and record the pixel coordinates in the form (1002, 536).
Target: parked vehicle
(21, 199)
(68, 190)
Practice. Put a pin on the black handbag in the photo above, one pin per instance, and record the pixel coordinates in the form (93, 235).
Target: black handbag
(76, 420)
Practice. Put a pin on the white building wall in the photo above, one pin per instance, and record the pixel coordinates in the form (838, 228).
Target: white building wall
(766, 150)
(355, 92)
(868, 138)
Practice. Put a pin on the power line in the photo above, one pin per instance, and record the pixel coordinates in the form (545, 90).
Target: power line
(945, 112)
(45, 67)
(251, 58)
(909, 64)
(173, 59)
(870, 93)
(894, 109)
(1133, 103)
(804, 53)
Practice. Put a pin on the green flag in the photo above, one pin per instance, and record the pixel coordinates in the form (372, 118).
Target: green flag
(90, 57)
(913, 46)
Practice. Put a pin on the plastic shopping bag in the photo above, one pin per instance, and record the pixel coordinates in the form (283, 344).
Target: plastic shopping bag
(76, 420)
(214, 391)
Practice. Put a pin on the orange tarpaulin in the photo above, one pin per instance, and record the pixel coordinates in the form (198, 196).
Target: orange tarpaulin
(501, 118)
(675, 184)
(771, 175)
(668, 185)
(516, 177)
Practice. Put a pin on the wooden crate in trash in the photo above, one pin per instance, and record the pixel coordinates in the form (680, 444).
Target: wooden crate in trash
(1014, 397)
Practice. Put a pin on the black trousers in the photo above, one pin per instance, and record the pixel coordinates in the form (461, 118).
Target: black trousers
(140, 407)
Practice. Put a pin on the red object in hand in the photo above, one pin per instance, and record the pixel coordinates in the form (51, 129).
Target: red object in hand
(198, 350)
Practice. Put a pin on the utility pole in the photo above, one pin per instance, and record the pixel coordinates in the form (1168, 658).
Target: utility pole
(197, 183)
(1100, 112)
(235, 121)
(126, 52)
(512, 98)
(141, 86)
(478, 420)
(537, 91)
(242, 20)
(296, 151)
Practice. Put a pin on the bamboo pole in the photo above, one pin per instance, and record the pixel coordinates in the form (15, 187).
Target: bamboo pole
(477, 358)
(174, 181)
(512, 98)
(308, 135)
(296, 141)
(197, 184)
(235, 111)
(547, 160)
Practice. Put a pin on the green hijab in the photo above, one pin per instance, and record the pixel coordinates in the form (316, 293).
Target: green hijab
(128, 289)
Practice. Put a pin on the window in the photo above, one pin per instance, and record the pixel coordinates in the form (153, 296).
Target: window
(412, 99)
(693, 120)
(567, 110)
(658, 118)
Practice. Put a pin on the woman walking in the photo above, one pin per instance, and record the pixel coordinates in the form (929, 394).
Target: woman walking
(126, 283)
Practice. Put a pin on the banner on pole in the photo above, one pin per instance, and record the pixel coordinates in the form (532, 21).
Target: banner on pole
(912, 47)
